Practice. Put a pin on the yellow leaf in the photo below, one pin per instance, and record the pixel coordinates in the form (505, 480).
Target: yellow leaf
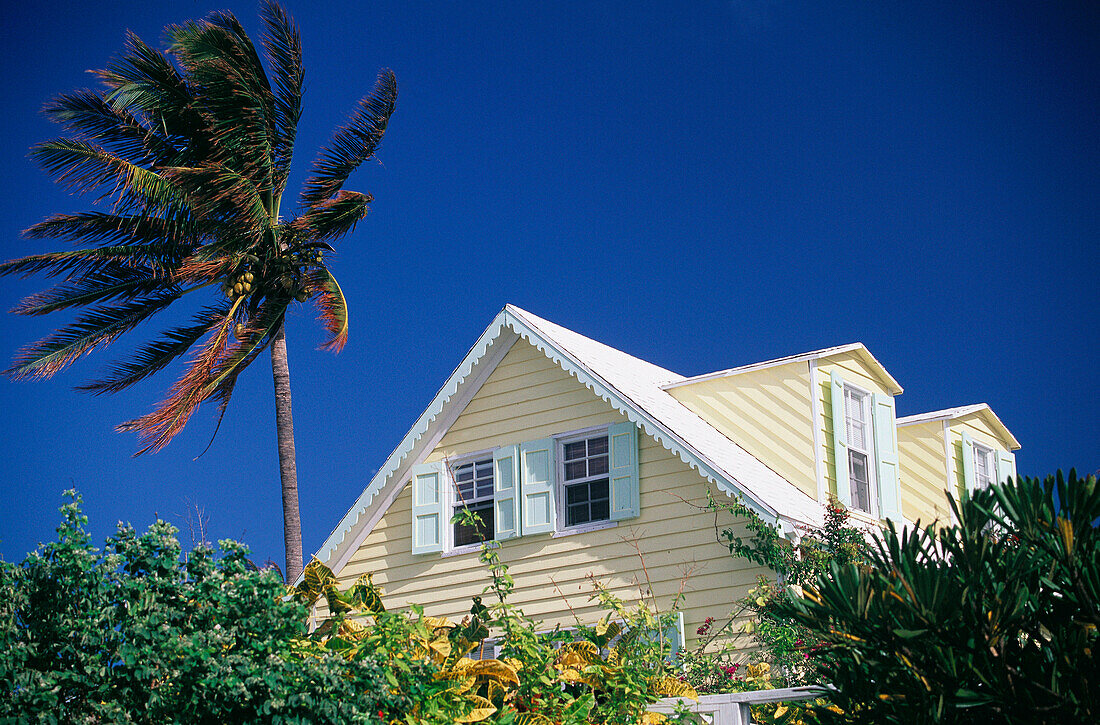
(532, 718)
(780, 711)
(672, 687)
(653, 718)
(483, 709)
(492, 670)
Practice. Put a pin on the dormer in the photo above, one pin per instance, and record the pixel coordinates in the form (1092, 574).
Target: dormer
(782, 412)
(957, 450)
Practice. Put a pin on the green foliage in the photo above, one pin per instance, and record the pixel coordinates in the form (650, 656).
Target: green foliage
(602, 674)
(136, 634)
(756, 648)
(990, 620)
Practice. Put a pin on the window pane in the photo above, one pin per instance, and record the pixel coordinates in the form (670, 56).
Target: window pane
(858, 476)
(576, 515)
(575, 469)
(576, 494)
(574, 450)
(475, 535)
(597, 466)
(600, 510)
(597, 446)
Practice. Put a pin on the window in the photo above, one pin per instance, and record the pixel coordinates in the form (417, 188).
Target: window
(857, 421)
(571, 483)
(474, 492)
(585, 482)
(983, 466)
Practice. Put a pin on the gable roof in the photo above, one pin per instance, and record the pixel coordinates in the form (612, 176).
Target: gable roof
(982, 410)
(858, 348)
(633, 387)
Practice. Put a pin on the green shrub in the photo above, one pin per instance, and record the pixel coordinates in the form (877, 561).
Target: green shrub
(137, 634)
(992, 620)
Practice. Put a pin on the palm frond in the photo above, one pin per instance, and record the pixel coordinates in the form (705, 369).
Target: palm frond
(254, 339)
(143, 81)
(83, 167)
(283, 44)
(92, 227)
(353, 143)
(79, 262)
(236, 96)
(333, 218)
(96, 327)
(332, 306)
(218, 192)
(110, 281)
(156, 429)
(88, 116)
(157, 354)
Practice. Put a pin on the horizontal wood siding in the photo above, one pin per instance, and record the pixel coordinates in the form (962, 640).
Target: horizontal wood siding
(767, 412)
(852, 369)
(670, 547)
(923, 472)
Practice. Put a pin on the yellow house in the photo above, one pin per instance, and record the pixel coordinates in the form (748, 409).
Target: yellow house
(585, 461)
(956, 450)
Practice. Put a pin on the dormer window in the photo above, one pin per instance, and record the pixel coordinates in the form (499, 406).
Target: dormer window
(857, 419)
(984, 471)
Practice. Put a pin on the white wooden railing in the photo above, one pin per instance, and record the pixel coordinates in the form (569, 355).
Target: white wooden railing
(733, 708)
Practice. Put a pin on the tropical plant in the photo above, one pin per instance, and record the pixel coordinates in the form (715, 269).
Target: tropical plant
(134, 633)
(601, 674)
(994, 619)
(189, 152)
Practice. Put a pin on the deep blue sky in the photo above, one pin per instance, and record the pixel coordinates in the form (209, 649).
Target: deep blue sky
(701, 184)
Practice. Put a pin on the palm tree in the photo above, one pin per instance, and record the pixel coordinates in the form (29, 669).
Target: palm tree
(188, 151)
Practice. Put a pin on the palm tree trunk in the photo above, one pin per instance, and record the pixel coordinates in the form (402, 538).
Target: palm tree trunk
(288, 469)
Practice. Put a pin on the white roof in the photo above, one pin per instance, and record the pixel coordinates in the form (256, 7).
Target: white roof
(857, 347)
(981, 409)
(632, 386)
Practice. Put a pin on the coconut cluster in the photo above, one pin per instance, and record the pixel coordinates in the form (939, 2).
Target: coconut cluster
(238, 287)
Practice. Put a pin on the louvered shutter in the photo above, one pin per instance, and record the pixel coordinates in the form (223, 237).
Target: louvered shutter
(970, 480)
(506, 492)
(840, 440)
(622, 439)
(427, 508)
(536, 486)
(1006, 466)
(886, 459)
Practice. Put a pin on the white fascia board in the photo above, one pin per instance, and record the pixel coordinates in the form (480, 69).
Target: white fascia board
(981, 409)
(425, 425)
(801, 357)
(637, 414)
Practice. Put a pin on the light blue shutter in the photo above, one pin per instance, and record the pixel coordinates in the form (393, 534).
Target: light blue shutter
(427, 508)
(536, 486)
(1006, 466)
(622, 439)
(886, 459)
(840, 440)
(506, 492)
(674, 634)
(966, 447)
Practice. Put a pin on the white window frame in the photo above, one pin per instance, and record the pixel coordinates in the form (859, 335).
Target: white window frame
(987, 455)
(451, 500)
(560, 441)
(866, 406)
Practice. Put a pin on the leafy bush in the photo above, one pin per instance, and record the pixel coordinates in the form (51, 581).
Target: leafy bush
(992, 620)
(137, 634)
(606, 674)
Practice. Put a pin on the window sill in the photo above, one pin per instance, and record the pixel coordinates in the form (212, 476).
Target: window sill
(584, 529)
(467, 549)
